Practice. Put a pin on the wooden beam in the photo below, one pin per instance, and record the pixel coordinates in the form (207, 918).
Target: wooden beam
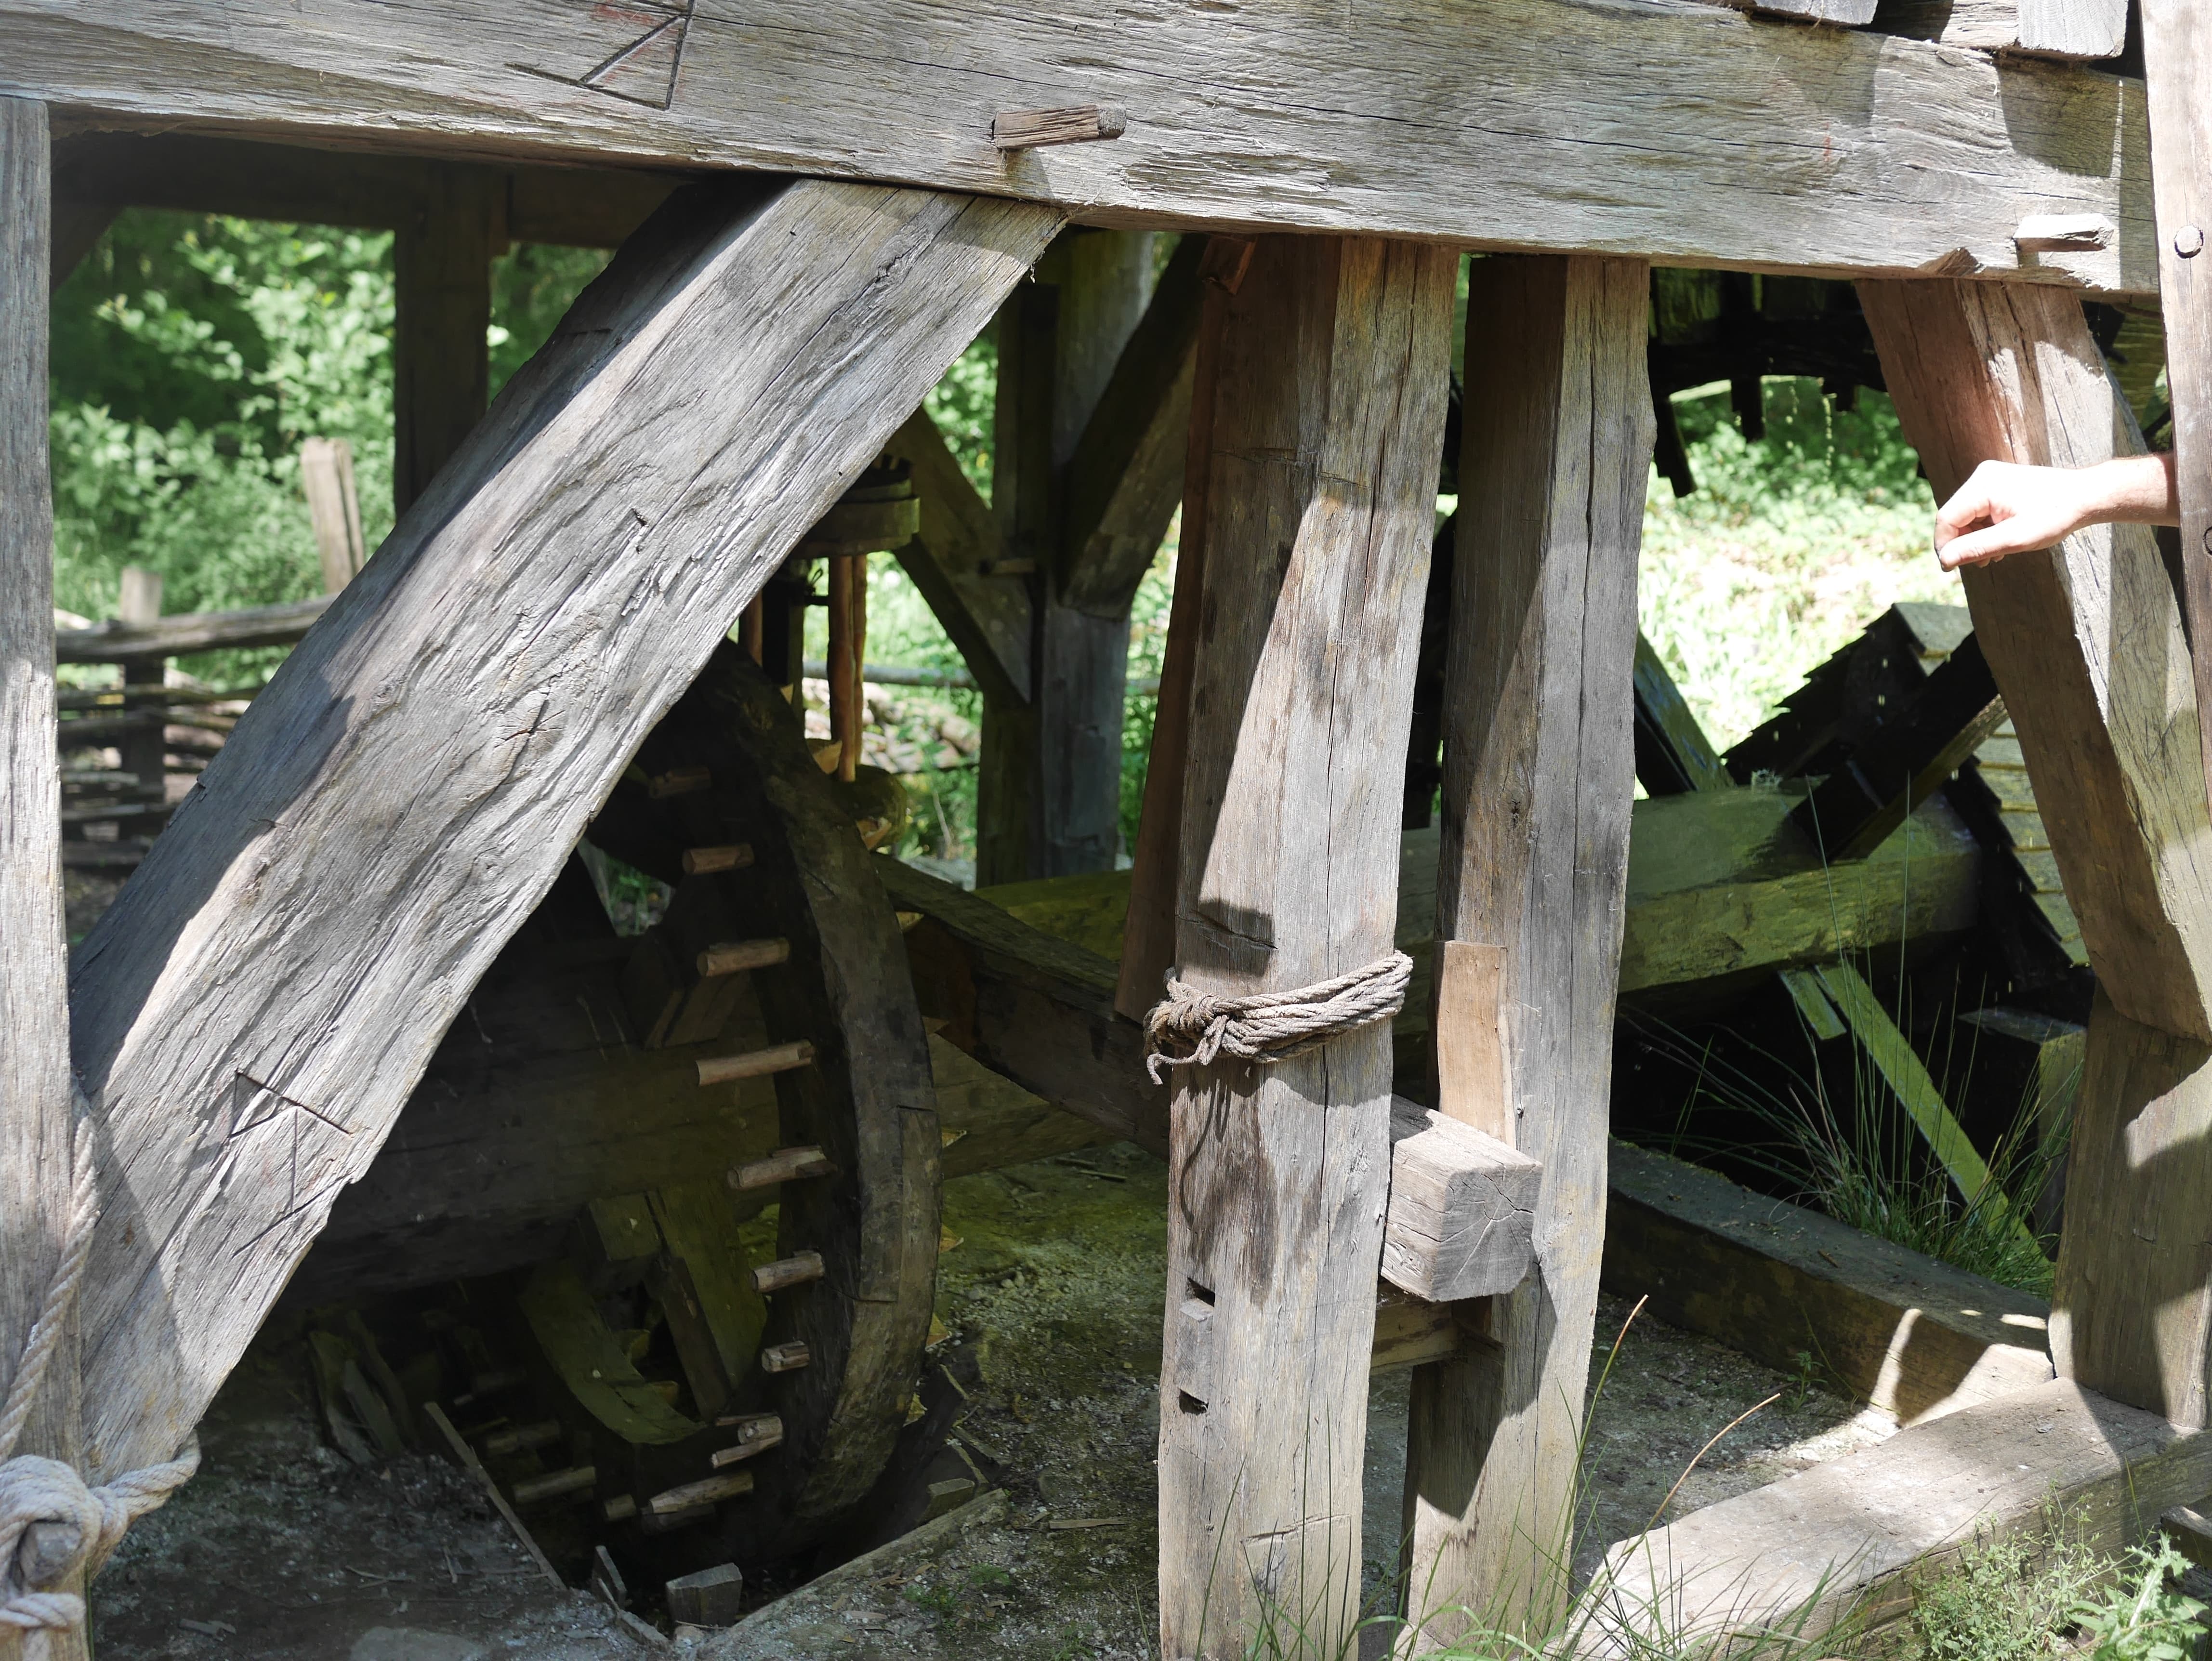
(1672, 754)
(988, 617)
(1462, 1208)
(2177, 70)
(441, 354)
(2086, 640)
(2042, 28)
(393, 805)
(1854, 1533)
(116, 642)
(1849, 14)
(1538, 771)
(1495, 129)
(200, 173)
(1124, 479)
(1328, 414)
(37, 1121)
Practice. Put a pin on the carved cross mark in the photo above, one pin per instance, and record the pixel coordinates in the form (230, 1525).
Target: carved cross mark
(641, 67)
(277, 1145)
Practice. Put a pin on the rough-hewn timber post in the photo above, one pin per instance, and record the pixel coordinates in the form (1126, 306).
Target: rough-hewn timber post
(2087, 642)
(35, 1124)
(441, 364)
(1538, 770)
(1327, 411)
(1052, 770)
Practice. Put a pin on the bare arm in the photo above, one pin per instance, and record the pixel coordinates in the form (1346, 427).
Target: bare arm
(2005, 508)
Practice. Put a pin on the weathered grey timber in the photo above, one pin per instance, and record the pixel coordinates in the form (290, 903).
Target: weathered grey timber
(2086, 640)
(253, 1012)
(1462, 1208)
(195, 172)
(441, 359)
(1538, 771)
(2043, 29)
(36, 1120)
(1849, 1534)
(1499, 125)
(1327, 414)
(1914, 1336)
(1851, 14)
(2177, 70)
(190, 631)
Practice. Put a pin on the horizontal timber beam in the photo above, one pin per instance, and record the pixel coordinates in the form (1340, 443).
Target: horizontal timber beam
(1680, 133)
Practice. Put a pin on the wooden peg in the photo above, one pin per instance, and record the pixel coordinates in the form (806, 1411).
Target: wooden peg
(729, 957)
(555, 1485)
(785, 1165)
(1080, 124)
(714, 1490)
(524, 1437)
(757, 1429)
(786, 1357)
(746, 1450)
(759, 1063)
(620, 1508)
(792, 1271)
(679, 781)
(700, 861)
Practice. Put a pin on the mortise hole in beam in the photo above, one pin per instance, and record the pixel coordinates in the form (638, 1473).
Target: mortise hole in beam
(1189, 1402)
(1203, 1295)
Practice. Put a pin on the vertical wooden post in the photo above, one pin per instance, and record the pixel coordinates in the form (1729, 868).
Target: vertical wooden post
(2087, 643)
(1538, 770)
(143, 751)
(35, 1127)
(1330, 382)
(333, 509)
(441, 363)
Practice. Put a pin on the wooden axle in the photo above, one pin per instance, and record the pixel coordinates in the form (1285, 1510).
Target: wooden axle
(756, 1064)
(523, 1438)
(785, 1165)
(729, 957)
(733, 856)
(786, 1357)
(795, 1270)
(555, 1485)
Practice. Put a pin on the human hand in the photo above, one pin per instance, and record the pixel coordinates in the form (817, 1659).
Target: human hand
(2008, 508)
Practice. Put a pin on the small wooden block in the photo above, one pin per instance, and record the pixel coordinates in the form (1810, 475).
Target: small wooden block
(679, 781)
(795, 1270)
(731, 956)
(785, 1165)
(1461, 1222)
(1470, 1038)
(620, 1509)
(702, 862)
(1080, 124)
(692, 1495)
(758, 1063)
(711, 1598)
(788, 1357)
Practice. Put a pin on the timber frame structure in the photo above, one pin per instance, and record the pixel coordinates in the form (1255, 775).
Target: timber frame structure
(818, 206)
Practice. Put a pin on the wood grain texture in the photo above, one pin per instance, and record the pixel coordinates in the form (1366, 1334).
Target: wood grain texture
(1329, 409)
(1849, 1534)
(118, 641)
(1914, 1336)
(1462, 1208)
(37, 1121)
(2086, 639)
(1539, 772)
(1849, 14)
(2177, 73)
(2042, 28)
(1755, 142)
(253, 1012)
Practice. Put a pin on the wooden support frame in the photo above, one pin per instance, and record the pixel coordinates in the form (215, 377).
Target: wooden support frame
(2088, 645)
(1539, 773)
(601, 604)
(1326, 415)
(37, 1125)
(440, 353)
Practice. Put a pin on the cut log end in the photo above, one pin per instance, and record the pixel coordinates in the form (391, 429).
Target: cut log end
(796, 1269)
(788, 1357)
(733, 957)
(786, 1165)
(755, 1064)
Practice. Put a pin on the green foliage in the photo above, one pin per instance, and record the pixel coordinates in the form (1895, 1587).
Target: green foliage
(2142, 1618)
(532, 287)
(2023, 1599)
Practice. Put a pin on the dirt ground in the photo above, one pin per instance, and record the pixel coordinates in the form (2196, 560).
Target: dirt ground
(282, 1551)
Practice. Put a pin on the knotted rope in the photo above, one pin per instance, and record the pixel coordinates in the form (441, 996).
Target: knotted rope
(1190, 1028)
(84, 1524)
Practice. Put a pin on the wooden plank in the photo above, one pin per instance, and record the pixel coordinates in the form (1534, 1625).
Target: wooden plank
(441, 358)
(1499, 129)
(369, 851)
(1539, 772)
(1853, 1534)
(988, 617)
(2086, 640)
(201, 173)
(2043, 28)
(2177, 70)
(1914, 1336)
(1331, 386)
(1124, 477)
(116, 642)
(37, 1121)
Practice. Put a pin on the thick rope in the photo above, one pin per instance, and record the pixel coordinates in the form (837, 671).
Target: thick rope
(83, 1524)
(1190, 1028)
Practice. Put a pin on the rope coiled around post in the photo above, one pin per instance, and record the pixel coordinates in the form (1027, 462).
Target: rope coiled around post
(1191, 1028)
(87, 1523)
